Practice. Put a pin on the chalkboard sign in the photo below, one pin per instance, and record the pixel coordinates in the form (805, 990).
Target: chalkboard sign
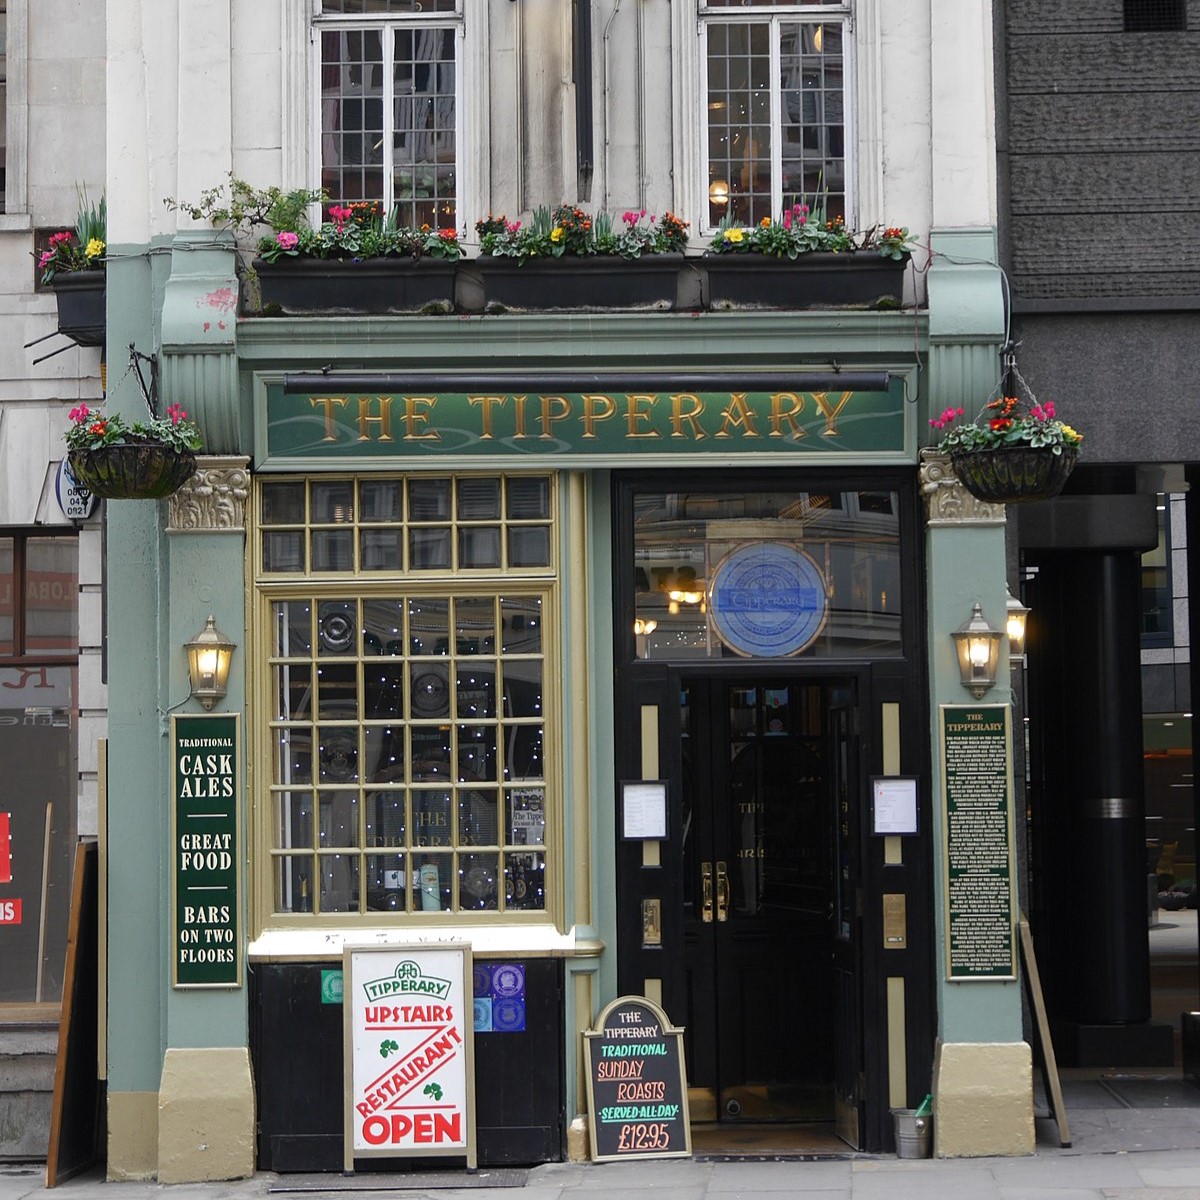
(637, 1093)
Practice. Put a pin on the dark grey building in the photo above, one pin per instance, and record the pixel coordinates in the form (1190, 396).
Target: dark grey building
(1098, 111)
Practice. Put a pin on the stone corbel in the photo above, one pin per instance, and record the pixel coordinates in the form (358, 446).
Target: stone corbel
(214, 499)
(947, 502)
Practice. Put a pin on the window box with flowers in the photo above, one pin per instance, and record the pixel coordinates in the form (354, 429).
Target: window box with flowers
(803, 260)
(142, 460)
(566, 258)
(73, 265)
(1016, 450)
(358, 262)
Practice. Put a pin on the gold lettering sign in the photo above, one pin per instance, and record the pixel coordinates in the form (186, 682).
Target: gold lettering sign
(654, 424)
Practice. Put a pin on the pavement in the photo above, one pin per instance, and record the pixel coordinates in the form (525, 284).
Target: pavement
(1117, 1153)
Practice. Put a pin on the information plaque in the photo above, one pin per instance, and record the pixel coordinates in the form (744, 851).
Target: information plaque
(637, 1092)
(979, 899)
(206, 946)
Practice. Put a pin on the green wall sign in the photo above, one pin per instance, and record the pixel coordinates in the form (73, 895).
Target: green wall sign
(976, 751)
(205, 852)
(598, 427)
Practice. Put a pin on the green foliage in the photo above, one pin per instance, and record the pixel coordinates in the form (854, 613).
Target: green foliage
(358, 230)
(90, 430)
(81, 249)
(239, 206)
(569, 230)
(1007, 421)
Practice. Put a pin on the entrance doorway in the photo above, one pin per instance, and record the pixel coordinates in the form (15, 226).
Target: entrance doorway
(792, 944)
(768, 836)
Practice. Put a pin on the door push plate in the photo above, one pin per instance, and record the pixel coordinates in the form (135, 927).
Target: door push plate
(651, 922)
(895, 921)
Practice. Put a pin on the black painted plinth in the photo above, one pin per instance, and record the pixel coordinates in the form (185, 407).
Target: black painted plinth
(1143, 1044)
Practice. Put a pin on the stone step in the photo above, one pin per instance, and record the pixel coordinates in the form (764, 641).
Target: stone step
(27, 1060)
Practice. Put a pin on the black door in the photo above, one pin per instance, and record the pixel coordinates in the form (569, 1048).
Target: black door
(766, 840)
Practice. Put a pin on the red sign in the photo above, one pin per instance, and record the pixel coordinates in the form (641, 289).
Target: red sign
(10, 912)
(5, 850)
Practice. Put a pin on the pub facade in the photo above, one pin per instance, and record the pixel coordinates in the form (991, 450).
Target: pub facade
(611, 640)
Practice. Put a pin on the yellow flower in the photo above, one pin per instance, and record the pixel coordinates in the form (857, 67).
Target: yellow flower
(1071, 435)
(95, 248)
(734, 235)
(556, 234)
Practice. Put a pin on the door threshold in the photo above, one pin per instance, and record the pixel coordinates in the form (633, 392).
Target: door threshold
(746, 1141)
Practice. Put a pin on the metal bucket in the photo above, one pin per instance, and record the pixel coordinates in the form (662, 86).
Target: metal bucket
(914, 1135)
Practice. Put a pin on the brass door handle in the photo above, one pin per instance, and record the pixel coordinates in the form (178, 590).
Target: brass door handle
(706, 891)
(722, 892)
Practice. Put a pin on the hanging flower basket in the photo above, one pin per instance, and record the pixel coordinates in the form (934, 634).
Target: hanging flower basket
(132, 471)
(1015, 474)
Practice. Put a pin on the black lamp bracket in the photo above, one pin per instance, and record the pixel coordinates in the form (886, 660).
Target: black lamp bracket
(149, 393)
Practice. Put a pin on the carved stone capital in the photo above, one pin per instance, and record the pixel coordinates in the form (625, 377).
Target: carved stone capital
(214, 499)
(947, 502)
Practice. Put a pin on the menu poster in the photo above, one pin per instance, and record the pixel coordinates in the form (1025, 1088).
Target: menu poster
(637, 1093)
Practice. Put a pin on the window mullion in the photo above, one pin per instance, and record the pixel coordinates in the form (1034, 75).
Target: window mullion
(20, 587)
(776, 90)
(389, 117)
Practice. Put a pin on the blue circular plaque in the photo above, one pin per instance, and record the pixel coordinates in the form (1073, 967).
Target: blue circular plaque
(767, 600)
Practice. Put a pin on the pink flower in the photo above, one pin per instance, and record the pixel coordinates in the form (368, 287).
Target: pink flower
(787, 219)
(176, 413)
(340, 215)
(287, 240)
(513, 226)
(57, 239)
(46, 258)
(80, 414)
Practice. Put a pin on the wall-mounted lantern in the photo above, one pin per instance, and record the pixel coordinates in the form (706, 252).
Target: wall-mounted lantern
(209, 656)
(978, 647)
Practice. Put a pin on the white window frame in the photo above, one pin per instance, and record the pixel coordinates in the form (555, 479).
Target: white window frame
(470, 83)
(15, 214)
(774, 15)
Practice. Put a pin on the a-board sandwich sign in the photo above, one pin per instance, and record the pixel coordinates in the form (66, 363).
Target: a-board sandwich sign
(637, 1090)
(206, 949)
(409, 1054)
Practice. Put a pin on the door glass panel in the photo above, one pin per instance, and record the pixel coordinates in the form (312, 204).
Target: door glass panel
(767, 574)
(757, 848)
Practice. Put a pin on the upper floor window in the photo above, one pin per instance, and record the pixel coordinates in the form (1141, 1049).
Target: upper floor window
(390, 105)
(1155, 16)
(775, 88)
